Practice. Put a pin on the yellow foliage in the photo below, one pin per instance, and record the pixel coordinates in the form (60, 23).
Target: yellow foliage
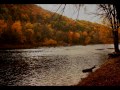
(30, 31)
(103, 34)
(91, 33)
(17, 29)
(85, 33)
(3, 25)
(70, 34)
(76, 35)
(17, 26)
(29, 25)
(49, 25)
(49, 42)
(24, 15)
(87, 40)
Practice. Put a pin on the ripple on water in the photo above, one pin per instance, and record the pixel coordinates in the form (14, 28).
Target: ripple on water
(52, 66)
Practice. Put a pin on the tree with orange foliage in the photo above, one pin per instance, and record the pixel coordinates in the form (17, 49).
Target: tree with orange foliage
(76, 37)
(70, 37)
(85, 33)
(29, 32)
(16, 32)
(87, 40)
(50, 42)
(3, 26)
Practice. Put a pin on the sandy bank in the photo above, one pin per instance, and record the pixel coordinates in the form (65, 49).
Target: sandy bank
(107, 75)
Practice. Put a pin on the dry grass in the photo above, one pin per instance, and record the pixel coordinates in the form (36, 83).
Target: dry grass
(107, 75)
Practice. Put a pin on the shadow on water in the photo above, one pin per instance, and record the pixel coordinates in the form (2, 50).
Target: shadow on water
(11, 70)
(49, 66)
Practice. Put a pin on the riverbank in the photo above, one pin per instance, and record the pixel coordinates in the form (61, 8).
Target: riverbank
(17, 46)
(26, 46)
(107, 75)
(36, 45)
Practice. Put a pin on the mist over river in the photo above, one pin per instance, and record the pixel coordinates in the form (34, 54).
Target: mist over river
(50, 66)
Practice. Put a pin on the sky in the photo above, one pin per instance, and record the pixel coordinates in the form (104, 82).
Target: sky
(71, 12)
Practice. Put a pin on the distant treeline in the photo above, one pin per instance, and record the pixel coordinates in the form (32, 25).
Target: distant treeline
(30, 24)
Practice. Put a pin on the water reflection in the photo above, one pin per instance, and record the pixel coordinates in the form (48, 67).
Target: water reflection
(49, 66)
(11, 68)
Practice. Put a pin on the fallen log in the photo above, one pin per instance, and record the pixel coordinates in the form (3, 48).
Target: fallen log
(89, 69)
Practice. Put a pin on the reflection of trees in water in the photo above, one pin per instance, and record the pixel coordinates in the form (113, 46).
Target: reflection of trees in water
(11, 69)
(18, 67)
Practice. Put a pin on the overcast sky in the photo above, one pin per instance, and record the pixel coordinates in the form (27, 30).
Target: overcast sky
(71, 12)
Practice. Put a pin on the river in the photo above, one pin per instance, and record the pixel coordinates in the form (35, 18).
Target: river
(50, 66)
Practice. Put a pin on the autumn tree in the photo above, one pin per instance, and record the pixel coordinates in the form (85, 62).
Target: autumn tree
(112, 13)
(29, 32)
(3, 27)
(70, 37)
(16, 32)
(76, 37)
(35, 25)
(37, 32)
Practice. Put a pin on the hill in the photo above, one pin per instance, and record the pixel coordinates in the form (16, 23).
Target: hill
(26, 24)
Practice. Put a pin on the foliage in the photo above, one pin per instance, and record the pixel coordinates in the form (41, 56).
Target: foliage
(50, 42)
(30, 24)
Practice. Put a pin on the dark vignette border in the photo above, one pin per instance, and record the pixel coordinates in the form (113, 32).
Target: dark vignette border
(56, 1)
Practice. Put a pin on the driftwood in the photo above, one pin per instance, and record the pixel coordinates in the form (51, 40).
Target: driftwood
(110, 48)
(89, 69)
(100, 49)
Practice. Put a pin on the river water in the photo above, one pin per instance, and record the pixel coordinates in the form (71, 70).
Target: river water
(50, 66)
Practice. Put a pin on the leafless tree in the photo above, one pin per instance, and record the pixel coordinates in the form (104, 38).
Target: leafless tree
(110, 13)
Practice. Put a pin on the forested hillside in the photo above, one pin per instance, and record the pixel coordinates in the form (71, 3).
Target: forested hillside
(30, 24)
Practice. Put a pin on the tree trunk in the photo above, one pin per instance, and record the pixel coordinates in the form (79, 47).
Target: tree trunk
(116, 41)
(117, 5)
(115, 33)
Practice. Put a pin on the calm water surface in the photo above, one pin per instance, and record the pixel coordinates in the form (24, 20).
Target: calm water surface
(54, 66)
